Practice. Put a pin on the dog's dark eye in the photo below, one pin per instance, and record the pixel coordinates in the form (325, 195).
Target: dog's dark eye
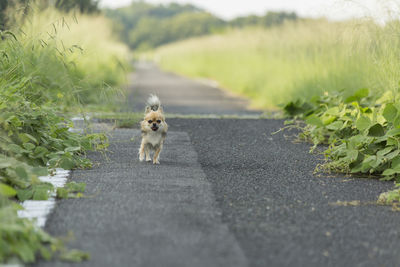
(158, 121)
(150, 121)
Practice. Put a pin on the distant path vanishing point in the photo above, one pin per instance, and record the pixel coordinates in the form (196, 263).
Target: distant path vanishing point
(181, 95)
(228, 192)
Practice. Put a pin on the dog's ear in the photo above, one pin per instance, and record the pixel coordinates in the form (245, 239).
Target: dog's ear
(148, 109)
(161, 109)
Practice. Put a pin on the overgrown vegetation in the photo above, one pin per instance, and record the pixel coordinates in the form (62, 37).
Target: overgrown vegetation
(296, 60)
(9, 6)
(362, 131)
(145, 26)
(51, 63)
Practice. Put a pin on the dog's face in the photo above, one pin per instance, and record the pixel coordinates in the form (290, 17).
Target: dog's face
(153, 121)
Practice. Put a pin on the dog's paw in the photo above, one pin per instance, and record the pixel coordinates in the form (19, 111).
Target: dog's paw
(156, 161)
(148, 159)
(141, 159)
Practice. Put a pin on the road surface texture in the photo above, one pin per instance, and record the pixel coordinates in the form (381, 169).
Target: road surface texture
(228, 192)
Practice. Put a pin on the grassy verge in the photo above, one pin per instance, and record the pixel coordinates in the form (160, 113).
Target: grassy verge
(51, 63)
(120, 119)
(297, 60)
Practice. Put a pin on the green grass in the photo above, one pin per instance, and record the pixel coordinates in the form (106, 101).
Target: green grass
(120, 119)
(80, 55)
(297, 60)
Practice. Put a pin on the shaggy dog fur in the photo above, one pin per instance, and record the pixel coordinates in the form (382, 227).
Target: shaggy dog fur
(154, 130)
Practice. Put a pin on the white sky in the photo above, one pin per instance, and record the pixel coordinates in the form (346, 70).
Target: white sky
(333, 9)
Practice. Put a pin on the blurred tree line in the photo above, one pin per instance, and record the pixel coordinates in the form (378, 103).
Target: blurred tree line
(144, 26)
(268, 20)
(83, 6)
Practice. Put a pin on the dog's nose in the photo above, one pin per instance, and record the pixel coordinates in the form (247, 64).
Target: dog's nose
(154, 124)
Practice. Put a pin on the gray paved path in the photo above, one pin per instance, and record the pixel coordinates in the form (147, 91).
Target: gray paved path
(180, 95)
(227, 193)
(145, 215)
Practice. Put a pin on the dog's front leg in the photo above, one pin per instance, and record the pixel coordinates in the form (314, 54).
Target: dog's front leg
(141, 151)
(156, 158)
(147, 152)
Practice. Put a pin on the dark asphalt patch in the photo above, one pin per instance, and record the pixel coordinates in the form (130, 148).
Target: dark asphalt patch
(278, 210)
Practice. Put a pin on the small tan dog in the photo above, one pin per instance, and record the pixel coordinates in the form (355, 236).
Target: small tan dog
(154, 130)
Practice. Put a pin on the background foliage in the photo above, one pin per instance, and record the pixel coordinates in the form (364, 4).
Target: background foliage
(144, 26)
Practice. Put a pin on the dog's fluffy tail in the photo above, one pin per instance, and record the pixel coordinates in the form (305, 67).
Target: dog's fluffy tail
(153, 103)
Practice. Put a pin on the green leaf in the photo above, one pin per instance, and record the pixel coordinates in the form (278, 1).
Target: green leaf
(74, 255)
(21, 172)
(24, 194)
(40, 194)
(296, 108)
(352, 155)
(388, 172)
(7, 190)
(5, 163)
(67, 163)
(40, 151)
(384, 151)
(396, 162)
(62, 192)
(392, 154)
(25, 138)
(363, 123)
(45, 253)
(15, 148)
(376, 130)
(28, 146)
(40, 171)
(327, 119)
(393, 132)
(72, 149)
(334, 111)
(396, 122)
(75, 187)
(335, 126)
(391, 141)
(314, 120)
(390, 112)
(26, 252)
(358, 95)
(367, 163)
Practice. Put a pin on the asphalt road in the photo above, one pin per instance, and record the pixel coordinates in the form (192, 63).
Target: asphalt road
(227, 193)
(181, 95)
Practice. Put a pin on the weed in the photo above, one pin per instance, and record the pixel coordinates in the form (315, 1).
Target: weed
(42, 78)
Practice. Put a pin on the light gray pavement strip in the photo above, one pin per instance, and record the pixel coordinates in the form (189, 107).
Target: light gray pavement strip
(181, 95)
(145, 215)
